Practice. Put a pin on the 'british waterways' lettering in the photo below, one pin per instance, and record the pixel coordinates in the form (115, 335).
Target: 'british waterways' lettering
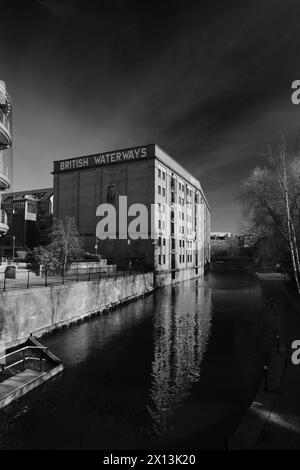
(104, 159)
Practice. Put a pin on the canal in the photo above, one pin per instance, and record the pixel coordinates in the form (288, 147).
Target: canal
(176, 369)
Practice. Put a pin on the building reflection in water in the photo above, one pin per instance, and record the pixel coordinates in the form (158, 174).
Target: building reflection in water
(181, 334)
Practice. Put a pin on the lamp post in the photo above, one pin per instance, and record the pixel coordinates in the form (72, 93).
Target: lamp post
(96, 246)
(13, 247)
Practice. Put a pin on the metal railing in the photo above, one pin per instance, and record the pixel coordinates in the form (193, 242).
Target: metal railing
(24, 358)
(4, 120)
(29, 279)
(3, 217)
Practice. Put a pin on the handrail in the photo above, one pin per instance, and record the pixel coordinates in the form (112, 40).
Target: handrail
(7, 97)
(3, 217)
(4, 120)
(23, 349)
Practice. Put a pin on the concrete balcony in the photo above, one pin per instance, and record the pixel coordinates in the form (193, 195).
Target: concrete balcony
(3, 223)
(5, 114)
(4, 181)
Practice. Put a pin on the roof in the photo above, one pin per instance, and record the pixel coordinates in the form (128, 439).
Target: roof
(43, 193)
(151, 151)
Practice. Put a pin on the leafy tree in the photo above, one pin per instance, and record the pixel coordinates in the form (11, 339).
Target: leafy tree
(65, 244)
(46, 257)
(271, 202)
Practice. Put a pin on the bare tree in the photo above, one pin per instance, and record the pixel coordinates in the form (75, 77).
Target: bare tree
(271, 202)
(65, 242)
(286, 181)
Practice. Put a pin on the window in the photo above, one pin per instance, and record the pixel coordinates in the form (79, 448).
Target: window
(183, 258)
(159, 259)
(159, 224)
(111, 193)
(179, 258)
(179, 243)
(159, 173)
(164, 242)
(159, 190)
(164, 259)
(163, 175)
(31, 207)
(163, 191)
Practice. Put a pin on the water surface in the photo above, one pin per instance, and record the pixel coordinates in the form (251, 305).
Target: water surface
(175, 369)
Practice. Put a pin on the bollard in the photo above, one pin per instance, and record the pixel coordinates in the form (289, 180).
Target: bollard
(266, 378)
(278, 343)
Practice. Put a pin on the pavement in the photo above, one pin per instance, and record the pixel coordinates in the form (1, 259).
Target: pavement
(273, 420)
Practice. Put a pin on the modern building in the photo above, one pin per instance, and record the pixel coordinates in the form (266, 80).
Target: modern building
(5, 151)
(174, 241)
(30, 218)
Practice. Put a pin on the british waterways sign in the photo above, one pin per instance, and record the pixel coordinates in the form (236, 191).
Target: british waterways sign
(116, 156)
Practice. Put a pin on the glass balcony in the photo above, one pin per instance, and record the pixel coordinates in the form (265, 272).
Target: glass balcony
(5, 136)
(3, 223)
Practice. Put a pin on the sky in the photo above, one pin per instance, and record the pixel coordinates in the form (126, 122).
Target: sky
(209, 81)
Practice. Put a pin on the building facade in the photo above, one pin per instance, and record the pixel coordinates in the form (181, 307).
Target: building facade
(5, 151)
(174, 241)
(30, 219)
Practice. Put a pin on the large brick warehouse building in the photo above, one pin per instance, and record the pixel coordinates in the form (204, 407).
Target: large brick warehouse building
(177, 245)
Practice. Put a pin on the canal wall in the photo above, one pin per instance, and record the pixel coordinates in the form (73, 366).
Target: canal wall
(40, 310)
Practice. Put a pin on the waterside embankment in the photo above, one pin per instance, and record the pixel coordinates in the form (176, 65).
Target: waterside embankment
(40, 310)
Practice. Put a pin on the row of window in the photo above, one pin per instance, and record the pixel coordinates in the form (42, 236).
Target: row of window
(162, 242)
(162, 259)
(162, 208)
(161, 191)
(161, 174)
(189, 258)
(162, 224)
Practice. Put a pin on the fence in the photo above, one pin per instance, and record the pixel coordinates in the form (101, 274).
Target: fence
(19, 358)
(28, 279)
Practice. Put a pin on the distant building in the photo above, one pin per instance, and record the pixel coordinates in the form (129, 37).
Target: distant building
(220, 236)
(176, 245)
(5, 151)
(221, 243)
(30, 218)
